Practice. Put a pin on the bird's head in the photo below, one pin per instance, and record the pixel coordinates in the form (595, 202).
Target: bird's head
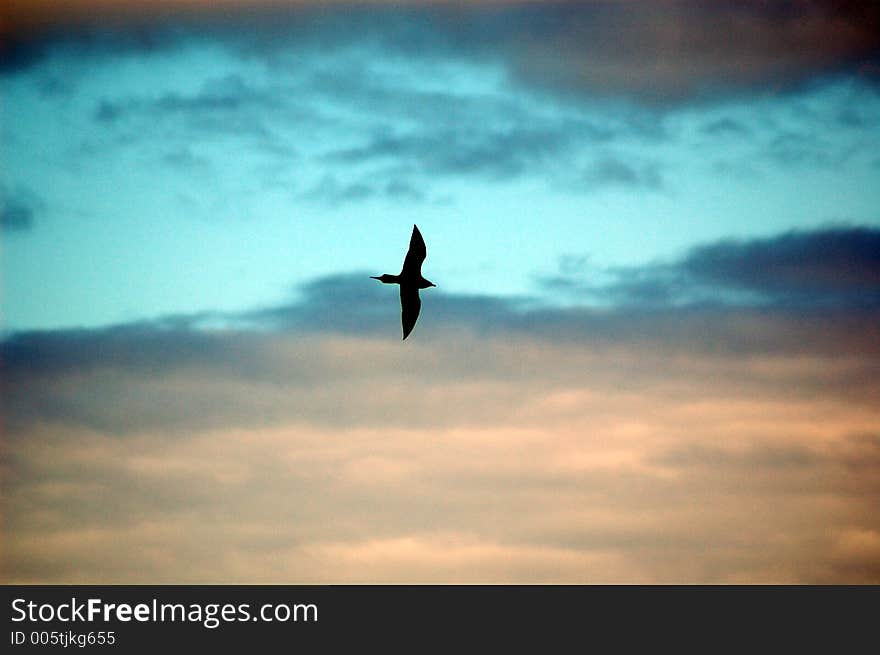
(386, 278)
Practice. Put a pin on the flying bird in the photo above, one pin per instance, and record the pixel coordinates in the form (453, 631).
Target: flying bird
(410, 281)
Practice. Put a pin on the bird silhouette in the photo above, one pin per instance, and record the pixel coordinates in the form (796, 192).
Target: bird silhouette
(410, 281)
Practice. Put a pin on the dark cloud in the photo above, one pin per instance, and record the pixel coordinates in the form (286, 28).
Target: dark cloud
(16, 216)
(825, 267)
(817, 299)
(277, 349)
(108, 112)
(656, 52)
(855, 116)
(819, 266)
(670, 51)
(18, 208)
(352, 303)
(18, 53)
(125, 381)
(66, 351)
(23, 49)
(610, 171)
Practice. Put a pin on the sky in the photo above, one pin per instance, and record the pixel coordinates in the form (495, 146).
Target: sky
(653, 351)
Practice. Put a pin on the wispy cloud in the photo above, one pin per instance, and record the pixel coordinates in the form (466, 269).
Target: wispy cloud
(464, 151)
(404, 104)
(331, 191)
(611, 171)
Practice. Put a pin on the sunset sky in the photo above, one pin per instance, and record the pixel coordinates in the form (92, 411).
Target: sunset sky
(653, 352)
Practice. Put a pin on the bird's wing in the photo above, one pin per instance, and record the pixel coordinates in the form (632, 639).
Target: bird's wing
(410, 304)
(416, 254)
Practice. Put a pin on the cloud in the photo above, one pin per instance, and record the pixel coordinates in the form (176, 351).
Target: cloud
(18, 209)
(507, 441)
(16, 216)
(424, 135)
(669, 51)
(245, 456)
(223, 106)
(469, 149)
(824, 267)
(331, 191)
(295, 355)
(610, 171)
(19, 54)
(658, 53)
(366, 125)
(229, 93)
(403, 190)
(401, 104)
(841, 261)
(726, 127)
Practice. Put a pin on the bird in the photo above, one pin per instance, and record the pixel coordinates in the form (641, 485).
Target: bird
(410, 280)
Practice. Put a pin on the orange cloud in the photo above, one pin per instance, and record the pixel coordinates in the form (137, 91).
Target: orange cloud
(465, 460)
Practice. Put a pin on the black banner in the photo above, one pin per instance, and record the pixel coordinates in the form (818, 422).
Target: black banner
(123, 619)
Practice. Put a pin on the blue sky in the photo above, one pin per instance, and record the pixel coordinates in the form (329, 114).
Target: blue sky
(652, 355)
(192, 166)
